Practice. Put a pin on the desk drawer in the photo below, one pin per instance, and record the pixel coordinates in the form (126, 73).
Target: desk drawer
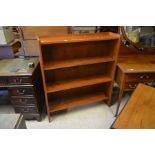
(19, 80)
(3, 81)
(23, 101)
(131, 85)
(140, 77)
(21, 91)
(25, 109)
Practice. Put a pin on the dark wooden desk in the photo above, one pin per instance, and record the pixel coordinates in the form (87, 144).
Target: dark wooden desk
(133, 70)
(139, 112)
(24, 85)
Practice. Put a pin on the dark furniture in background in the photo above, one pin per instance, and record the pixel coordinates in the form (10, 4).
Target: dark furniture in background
(24, 84)
(9, 50)
(114, 29)
(78, 69)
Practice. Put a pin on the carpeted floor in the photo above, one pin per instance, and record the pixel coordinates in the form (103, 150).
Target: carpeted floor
(92, 116)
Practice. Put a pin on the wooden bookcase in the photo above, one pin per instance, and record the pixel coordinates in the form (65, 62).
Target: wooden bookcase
(78, 69)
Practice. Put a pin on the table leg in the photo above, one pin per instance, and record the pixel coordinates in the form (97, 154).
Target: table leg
(119, 100)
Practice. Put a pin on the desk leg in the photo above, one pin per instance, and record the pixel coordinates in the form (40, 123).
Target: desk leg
(49, 117)
(119, 100)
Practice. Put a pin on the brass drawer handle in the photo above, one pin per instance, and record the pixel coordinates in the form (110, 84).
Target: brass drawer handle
(132, 86)
(147, 77)
(26, 110)
(23, 100)
(15, 81)
(21, 92)
(19, 80)
(144, 76)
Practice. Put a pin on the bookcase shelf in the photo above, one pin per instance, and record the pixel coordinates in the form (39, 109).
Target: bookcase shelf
(75, 62)
(76, 101)
(78, 96)
(69, 84)
(78, 69)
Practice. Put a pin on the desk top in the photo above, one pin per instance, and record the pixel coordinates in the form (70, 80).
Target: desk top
(139, 112)
(17, 66)
(137, 64)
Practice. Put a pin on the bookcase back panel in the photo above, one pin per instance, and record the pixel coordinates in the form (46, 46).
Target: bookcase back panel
(69, 51)
(71, 93)
(103, 69)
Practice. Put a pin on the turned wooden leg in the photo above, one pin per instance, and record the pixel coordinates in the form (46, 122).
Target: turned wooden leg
(119, 101)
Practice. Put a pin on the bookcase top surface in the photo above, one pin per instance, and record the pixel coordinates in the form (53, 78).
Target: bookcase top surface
(69, 38)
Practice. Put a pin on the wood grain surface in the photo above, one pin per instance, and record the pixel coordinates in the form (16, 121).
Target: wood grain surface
(139, 113)
(78, 69)
(138, 63)
(79, 38)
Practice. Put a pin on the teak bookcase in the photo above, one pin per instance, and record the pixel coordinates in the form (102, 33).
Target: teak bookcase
(78, 69)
